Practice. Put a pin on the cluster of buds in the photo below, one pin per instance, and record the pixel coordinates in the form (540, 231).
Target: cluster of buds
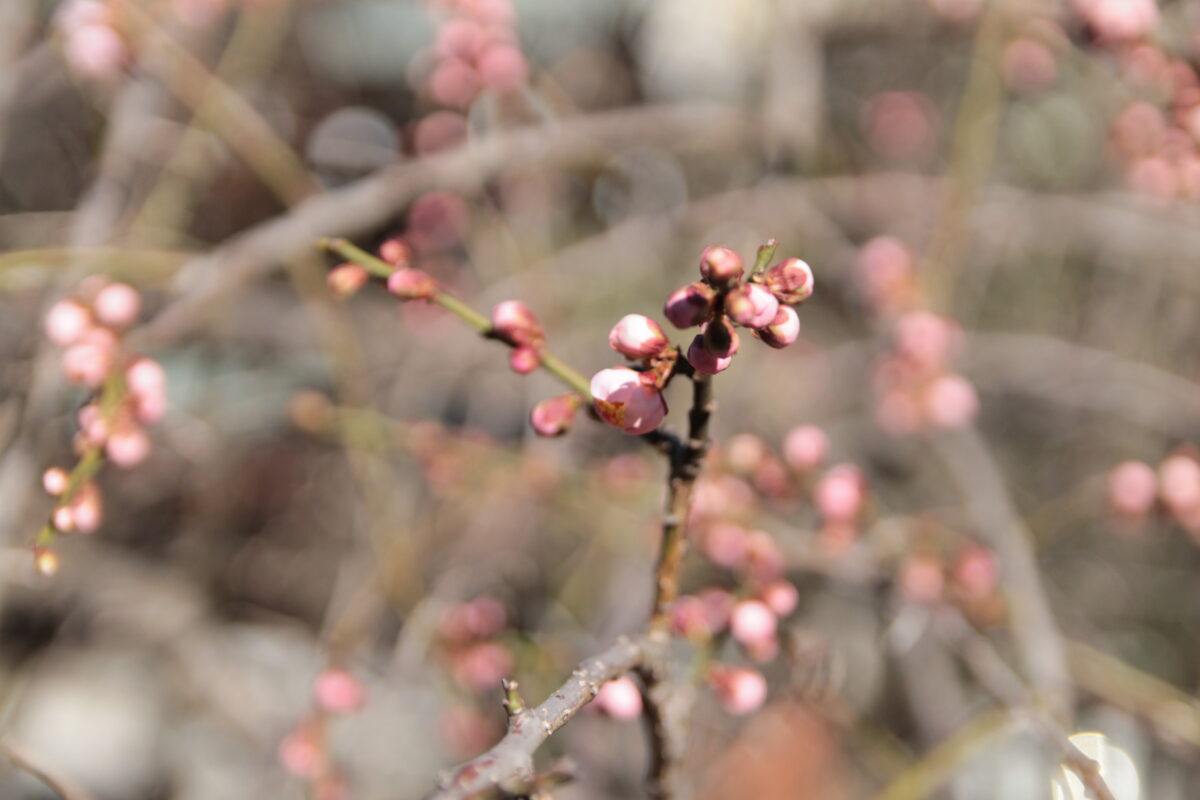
(1135, 490)
(475, 49)
(304, 752)
(468, 641)
(93, 42)
(128, 392)
(515, 324)
(722, 300)
(914, 385)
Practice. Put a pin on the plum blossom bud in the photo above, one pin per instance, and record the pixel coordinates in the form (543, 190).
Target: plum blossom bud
(300, 752)
(690, 305)
(740, 690)
(117, 305)
(922, 579)
(783, 330)
(95, 51)
(976, 571)
(623, 400)
(720, 338)
(147, 385)
(524, 359)
(513, 321)
(791, 281)
(86, 508)
(1132, 488)
(703, 360)
(88, 360)
(396, 252)
(951, 402)
(346, 279)
(45, 561)
(1179, 483)
(620, 699)
(925, 338)
(752, 622)
(751, 305)
(412, 284)
(724, 544)
(127, 445)
(689, 618)
(66, 322)
(637, 336)
(840, 493)
(805, 447)
(503, 68)
(720, 264)
(554, 416)
(55, 481)
(781, 597)
(481, 666)
(338, 691)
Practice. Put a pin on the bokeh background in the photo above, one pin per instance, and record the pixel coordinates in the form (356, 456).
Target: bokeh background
(336, 478)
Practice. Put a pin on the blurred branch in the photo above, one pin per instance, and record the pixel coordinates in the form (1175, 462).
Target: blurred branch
(21, 760)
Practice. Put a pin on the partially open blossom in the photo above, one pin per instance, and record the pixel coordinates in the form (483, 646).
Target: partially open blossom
(623, 400)
(66, 322)
(751, 305)
(951, 402)
(636, 336)
(805, 447)
(720, 264)
(412, 284)
(524, 359)
(338, 691)
(840, 493)
(690, 305)
(346, 279)
(554, 416)
(117, 305)
(791, 281)
(783, 330)
(620, 698)
(740, 690)
(703, 359)
(752, 621)
(1132, 488)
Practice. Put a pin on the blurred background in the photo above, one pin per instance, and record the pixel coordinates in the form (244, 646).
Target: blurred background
(991, 514)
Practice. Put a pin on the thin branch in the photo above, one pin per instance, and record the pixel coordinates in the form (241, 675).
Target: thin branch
(22, 761)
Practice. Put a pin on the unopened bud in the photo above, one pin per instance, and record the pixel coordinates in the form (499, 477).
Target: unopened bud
(720, 338)
(751, 305)
(555, 415)
(45, 561)
(513, 321)
(690, 305)
(412, 284)
(720, 264)
(783, 330)
(396, 252)
(703, 360)
(637, 336)
(346, 279)
(55, 481)
(524, 359)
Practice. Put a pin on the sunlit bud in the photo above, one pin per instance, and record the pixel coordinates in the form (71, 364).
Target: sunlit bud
(66, 322)
(1132, 488)
(412, 284)
(622, 400)
(503, 68)
(781, 597)
(513, 321)
(300, 752)
(338, 691)
(690, 305)
(45, 561)
(637, 336)
(752, 621)
(951, 402)
(702, 359)
(620, 699)
(783, 330)
(554, 416)
(524, 359)
(117, 305)
(1179, 482)
(751, 305)
(62, 519)
(87, 508)
(740, 690)
(346, 279)
(55, 480)
(724, 544)
(791, 281)
(840, 493)
(481, 666)
(805, 447)
(720, 338)
(127, 445)
(720, 264)
(921, 579)
(396, 252)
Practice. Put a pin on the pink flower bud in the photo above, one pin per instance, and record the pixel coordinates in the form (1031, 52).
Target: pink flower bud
(439, 131)
(763, 558)
(454, 83)
(637, 336)
(87, 508)
(926, 339)
(484, 617)
(622, 400)
(620, 699)
(459, 38)
(346, 279)
(1179, 483)
(740, 690)
(724, 544)
(1132, 488)
(555, 415)
(437, 221)
(117, 305)
(66, 322)
(921, 579)
(840, 493)
(95, 51)
(751, 305)
(127, 445)
(147, 385)
(524, 359)
(718, 605)
(720, 264)
(338, 691)
(745, 452)
(805, 447)
(781, 597)
(720, 337)
(503, 68)
(396, 252)
(55, 481)
(977, 571)
(88, 360)
(791, 281)
(689, 618)
(45, 561)
(690, 305)
(481, 666)
(783, 330)
(300, 752)
(514, 322)
(951, 402)
(702, 359)
(752, 621)
(412, 284)
(92, 424)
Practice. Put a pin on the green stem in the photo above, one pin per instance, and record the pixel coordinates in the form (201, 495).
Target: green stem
(764, 256)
